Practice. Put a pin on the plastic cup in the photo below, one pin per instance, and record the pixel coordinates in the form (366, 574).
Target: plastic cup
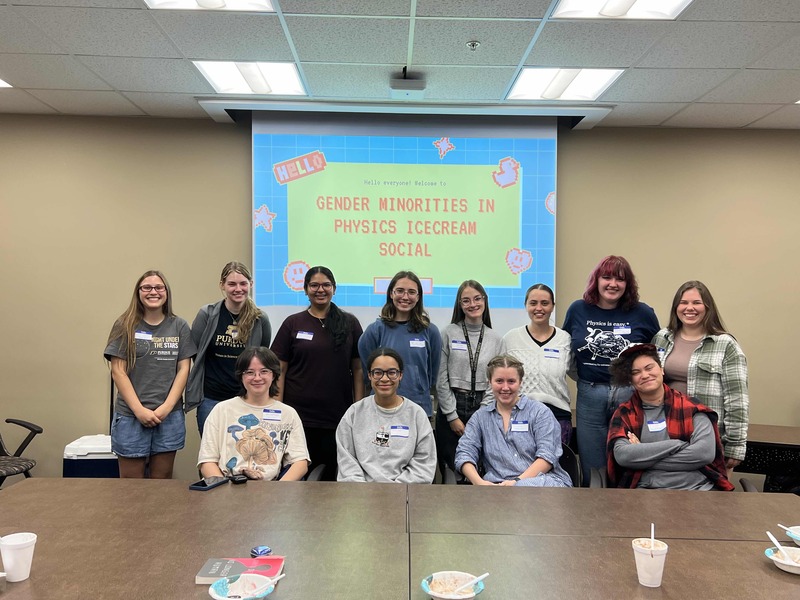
(649, 568)
(17, 553)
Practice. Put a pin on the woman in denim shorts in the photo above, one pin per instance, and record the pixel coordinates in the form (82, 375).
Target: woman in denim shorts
(150, 351)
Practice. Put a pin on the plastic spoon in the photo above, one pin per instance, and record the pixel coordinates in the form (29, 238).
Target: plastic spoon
(469, 584)
(259, 590)
(778, 545)
(789, 529)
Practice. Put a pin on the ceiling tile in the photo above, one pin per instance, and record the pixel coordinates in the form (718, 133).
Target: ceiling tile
(17, 34)
(786, 117)
(225, 36)
(378, 8)
(88, 103)
(640, 114)
(17, 101)
(350, 40)
(742, 10)
(503, 43)
(48, 71)
(101, 31)
(664, 85)
(148, 74)
(718, 115)
(349, 81)
(585, 44)
(715, 45)
(497, 9)
(784, 56)
(484, 84)
(168, 105)
(758, 86)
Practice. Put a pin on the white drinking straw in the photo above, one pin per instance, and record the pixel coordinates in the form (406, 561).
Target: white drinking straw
(652, 538)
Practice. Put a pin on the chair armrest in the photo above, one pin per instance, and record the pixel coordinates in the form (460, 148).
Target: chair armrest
(34, 430)
(598, 478)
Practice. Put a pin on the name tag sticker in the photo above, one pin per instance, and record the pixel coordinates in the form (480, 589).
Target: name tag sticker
(143, 335)
(656, 425)
(271, 414)
(458, 345)
(622, 330)
(304, 335)
(551, 353)
(400, 431)
(416, 343)
(519, 426)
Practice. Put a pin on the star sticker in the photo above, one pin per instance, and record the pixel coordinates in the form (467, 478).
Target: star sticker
(263, 218)
(444, 146)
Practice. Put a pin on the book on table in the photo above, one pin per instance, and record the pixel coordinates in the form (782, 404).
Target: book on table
(217, 568)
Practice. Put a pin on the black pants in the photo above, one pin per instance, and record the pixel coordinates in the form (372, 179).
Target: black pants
(446, 439)
(322, 449)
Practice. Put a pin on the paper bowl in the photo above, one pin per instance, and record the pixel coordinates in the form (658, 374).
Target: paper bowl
(794, 534)
(242, 585)
(782, 563)
(454, 578)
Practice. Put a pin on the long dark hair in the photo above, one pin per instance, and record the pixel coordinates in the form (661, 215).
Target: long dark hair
(458, 312)
(619, 268)
(419, 318)
(712, 321)
(337, 322)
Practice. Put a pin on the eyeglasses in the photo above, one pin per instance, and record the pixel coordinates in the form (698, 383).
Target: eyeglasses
(327, 286)
(149, 288)
(250, 374)
(392, 374)
(400, 292)
(475, 300)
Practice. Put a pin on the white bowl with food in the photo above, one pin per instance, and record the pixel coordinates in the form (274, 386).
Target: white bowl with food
(780, 560)
(442, 585)
(794, 533)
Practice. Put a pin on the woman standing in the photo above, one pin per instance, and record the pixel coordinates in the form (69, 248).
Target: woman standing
(320, 368)
(546, 354)
(385, 437)
(468, 343)
(702, 360)
(150, 351)
(221, 331)
(516, 440)
(405, 326)
(607, 320)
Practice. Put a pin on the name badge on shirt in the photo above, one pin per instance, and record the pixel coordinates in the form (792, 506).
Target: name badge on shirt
(400, 431)
(622, 330)
(656, 425)
(271, 414)
(551, 352)
(458, 345)
(304, 335)
(143, 335)
(519, 426)
(416, 343)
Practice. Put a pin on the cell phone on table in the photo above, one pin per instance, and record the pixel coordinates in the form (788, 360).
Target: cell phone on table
(208, 483)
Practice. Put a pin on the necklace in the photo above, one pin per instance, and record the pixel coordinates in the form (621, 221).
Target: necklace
(321, 321)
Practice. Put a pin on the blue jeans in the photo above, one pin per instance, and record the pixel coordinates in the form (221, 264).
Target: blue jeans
(595, 407)
(203, 410)
(131, 439)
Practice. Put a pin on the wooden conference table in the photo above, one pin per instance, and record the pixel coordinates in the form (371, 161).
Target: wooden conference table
(104, 538)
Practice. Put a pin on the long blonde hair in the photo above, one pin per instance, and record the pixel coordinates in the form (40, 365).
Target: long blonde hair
(250, 313)
(125, 326)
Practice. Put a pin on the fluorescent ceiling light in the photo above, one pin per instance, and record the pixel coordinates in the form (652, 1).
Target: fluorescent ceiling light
(620, 9)
(242, 5)
(3, 84)
(276, 79)
(562, 84)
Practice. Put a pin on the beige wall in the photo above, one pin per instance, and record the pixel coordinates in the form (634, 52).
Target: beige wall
(89, 204)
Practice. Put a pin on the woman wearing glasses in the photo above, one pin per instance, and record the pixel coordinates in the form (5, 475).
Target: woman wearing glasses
(546, 353)
(221, 331)
(468, 343)
(254, 434)
(150, 351)
(405, 326)
(385, 437)
(320, 369)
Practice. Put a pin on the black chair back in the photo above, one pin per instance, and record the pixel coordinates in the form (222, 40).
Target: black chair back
(569, 462)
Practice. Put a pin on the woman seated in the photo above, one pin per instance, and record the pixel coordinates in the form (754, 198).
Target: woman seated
(516, 440)
(253, 434)
(385, 437)
(661, 438)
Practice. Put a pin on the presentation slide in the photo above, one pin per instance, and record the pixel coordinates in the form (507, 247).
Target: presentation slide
(448, 208)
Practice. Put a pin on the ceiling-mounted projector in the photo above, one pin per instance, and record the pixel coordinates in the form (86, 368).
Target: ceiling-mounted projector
(407, 88)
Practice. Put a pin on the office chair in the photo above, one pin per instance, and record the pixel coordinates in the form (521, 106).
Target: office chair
(747, 485)
(14, 464)
(569, 462)
(316, 473)
(598, 478)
